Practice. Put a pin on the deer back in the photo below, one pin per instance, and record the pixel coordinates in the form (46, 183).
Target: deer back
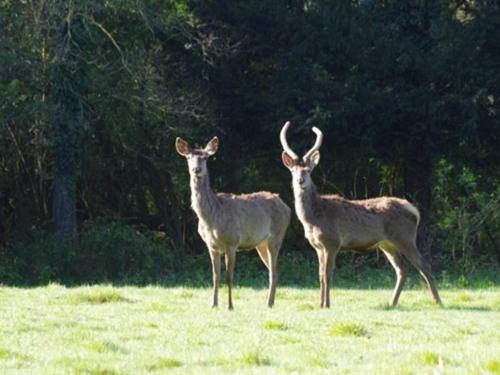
(244, 221)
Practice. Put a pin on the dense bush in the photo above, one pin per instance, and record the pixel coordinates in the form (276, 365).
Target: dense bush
(466, 220)
(108, 251)
(111, 251)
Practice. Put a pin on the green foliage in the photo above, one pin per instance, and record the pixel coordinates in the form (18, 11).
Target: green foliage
(117, 252)
(93, 94)
(108, 251)
(466, 217)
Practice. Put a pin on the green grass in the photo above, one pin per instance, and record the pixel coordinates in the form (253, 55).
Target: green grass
(429, 358)
(274, 324)
(348, 329)
(131, 330)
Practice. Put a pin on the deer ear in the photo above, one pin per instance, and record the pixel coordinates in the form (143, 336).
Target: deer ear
(212, 146)
(313, 159)
(182, 146)
(287, 160)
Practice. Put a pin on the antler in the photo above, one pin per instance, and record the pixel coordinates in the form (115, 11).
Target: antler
(317, 144)
(284, 143)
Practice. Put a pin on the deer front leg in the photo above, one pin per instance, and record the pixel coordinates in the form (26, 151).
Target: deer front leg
(215, 258)
(321, 272)
(330, 256)
(230, 258)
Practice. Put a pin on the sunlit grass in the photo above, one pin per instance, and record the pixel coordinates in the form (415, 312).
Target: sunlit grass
(493, 366)
(254, 358)
(164, 363)
(130, 330)
(95, 295)
(429, 358)
(274, 324)
(348, 329)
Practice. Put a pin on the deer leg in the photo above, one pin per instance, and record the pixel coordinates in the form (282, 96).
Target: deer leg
(411, 253)
(273, 278)
(321, 273)
(230, 257)
(215, 258)
(330, 256)
(268, 252)
(262, 251)
(273, 250)
(397, 263)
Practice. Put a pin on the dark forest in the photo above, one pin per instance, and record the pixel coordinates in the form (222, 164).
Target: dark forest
(94, 93)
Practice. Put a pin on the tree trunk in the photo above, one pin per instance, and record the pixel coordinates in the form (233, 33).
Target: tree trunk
(66, 155)
(64, 207)
(67, 76)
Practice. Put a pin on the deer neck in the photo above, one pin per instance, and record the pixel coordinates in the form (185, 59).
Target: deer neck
(203, 200)
(305, 203)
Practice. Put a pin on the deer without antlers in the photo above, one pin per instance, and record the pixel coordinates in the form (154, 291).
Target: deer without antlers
(332, 223)
(229, 223)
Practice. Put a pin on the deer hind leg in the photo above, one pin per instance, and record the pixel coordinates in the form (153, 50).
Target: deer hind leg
(263, 253)
(397, 262)
(410, 251)
(268, 252)
(230, 258)
(215, 258)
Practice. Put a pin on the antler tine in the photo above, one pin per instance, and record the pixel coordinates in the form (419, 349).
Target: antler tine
(317, 144)
(284, 143)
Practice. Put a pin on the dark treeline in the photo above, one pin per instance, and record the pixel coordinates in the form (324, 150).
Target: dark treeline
(93, 94)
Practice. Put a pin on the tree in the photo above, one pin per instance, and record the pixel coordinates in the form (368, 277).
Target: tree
(67, 80)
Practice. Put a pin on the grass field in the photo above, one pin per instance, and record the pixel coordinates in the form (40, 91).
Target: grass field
(131, 330)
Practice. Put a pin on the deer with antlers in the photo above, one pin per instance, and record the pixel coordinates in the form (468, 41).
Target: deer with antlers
(332, 223)
(229, 223)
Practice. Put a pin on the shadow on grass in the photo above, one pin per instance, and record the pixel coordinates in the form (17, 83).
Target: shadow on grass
(430, 306)
(470, 308)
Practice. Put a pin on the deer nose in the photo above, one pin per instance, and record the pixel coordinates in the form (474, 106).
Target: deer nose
(196, 170)
(301, 180)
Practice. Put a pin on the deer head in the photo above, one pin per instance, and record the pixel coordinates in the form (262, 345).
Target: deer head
(197, 158)
(300, 169)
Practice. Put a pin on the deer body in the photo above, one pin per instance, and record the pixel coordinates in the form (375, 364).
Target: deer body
(332, 223)
(240, 222)
(339, 220)
(228, 223)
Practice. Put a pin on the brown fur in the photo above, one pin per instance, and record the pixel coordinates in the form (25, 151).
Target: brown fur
(230, 222)
(332, 223)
